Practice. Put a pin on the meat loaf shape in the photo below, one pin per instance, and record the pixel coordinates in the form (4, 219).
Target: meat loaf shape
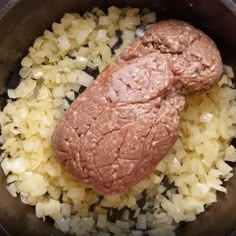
(116, 132)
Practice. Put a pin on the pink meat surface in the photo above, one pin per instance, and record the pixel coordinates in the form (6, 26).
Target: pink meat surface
(115, 133)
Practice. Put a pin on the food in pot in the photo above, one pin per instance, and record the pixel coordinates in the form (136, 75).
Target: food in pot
(117, 131)
(58, 68)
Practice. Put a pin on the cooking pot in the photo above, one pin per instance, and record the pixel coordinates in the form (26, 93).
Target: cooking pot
(21, 21)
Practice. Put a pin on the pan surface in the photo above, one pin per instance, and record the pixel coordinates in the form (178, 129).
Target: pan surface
(21, 21)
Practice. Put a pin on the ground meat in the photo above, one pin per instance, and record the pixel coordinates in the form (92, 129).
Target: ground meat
(115, 133)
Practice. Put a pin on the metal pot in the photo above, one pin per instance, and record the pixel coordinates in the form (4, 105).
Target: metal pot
(21, 21)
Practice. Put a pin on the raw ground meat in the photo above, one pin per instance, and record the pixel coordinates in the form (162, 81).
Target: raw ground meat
(115, 133)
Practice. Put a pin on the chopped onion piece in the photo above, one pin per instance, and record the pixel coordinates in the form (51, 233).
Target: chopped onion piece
(229, 71)
(12, 189)
(84, 78)
(104, 20)
(63, 43)
(140, 32)
(141, 222)
(102, 221)
(206, 117)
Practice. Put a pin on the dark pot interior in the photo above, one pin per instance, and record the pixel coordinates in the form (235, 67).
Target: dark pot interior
(21, 21)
